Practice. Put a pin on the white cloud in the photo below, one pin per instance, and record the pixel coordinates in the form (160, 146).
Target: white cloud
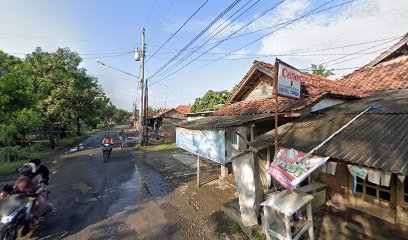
(361, 21)
(291, 9)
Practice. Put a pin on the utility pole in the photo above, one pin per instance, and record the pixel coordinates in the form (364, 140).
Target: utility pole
(141, 88)
(146, 140)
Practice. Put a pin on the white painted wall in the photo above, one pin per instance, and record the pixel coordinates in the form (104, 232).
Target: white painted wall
(325, 103)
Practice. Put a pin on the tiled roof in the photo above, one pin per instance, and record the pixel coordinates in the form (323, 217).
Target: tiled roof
(389, 75)
(184, 109)
(160, 113)
(316, 88)
(377, 139)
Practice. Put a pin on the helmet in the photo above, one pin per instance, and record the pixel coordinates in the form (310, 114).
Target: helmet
(106, 134)
(36, 161)
(27, 169)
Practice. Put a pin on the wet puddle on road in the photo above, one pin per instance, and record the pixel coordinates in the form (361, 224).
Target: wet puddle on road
(131, 192)
(144, 185)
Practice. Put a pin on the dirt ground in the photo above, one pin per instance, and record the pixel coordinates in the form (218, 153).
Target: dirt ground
(147, 195)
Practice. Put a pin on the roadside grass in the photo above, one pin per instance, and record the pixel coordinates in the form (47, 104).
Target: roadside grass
(40, 150)
(224, 222)
(257, 234)
(8, 168)
(160, 146)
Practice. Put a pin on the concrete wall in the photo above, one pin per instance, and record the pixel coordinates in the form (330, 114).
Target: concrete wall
(262, 89)
(325, 103)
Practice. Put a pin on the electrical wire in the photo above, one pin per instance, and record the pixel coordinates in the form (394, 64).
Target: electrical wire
(119, 70)
(268, 34)
(178, 30)
(230, 35)
(232, 5)
(212, 35)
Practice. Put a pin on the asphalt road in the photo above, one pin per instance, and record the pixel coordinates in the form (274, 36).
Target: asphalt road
(88, 193)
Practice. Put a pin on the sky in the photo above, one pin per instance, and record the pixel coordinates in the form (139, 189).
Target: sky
(299, 32)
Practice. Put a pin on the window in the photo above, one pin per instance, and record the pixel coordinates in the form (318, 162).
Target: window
(406, 189)
(373, 190)
(232, 137)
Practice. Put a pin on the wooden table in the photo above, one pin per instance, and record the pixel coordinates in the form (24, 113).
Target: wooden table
(287, 203)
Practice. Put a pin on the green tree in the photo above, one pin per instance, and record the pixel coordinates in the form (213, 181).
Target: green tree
(321, 70)
(210, 100)
(7, 62)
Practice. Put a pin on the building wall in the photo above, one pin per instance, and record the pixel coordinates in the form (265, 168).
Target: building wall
(337, 183)
(262, 89)
(168, 129)
(367, 212)
(325, 103)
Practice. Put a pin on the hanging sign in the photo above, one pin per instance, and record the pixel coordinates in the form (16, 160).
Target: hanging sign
(289, 79)
(290, 167)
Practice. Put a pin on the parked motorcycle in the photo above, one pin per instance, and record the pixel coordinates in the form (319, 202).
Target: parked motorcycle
(15, 214)
(106, 149)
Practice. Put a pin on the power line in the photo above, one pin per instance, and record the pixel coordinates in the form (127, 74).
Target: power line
(354, 53)
(150, 13)
(284, 22)
(117, 69)
(198, 36)
(178, 30)
(212, 36)
(268, 34)
(232, 34)
(293, 53)
(65, 39)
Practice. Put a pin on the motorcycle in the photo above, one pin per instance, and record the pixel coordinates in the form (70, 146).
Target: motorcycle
(106, 149)
(15, 214)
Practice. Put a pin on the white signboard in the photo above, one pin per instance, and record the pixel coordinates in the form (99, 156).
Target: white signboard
(288, 81)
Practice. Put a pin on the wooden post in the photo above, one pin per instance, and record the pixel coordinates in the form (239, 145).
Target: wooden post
(275, 88)
(310, 218)
(198, 171)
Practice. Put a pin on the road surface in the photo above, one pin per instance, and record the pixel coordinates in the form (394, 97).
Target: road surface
(96, 200)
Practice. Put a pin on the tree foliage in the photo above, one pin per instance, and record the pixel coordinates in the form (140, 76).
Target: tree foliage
(321, 70)
(210, 100)
(49, 92)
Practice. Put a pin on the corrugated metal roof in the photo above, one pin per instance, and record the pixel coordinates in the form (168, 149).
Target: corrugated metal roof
(378, 139)
(223, 121)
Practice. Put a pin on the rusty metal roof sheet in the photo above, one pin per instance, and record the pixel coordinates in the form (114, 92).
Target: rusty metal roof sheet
(377, 139)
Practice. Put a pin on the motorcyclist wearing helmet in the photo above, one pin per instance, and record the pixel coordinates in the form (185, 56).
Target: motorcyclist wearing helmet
(26, 185)
(108, 140)
(42, 170)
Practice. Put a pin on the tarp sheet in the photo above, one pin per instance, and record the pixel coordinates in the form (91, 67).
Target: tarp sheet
(209, 143)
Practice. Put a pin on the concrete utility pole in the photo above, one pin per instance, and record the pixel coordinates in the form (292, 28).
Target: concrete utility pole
(141, 88)
(146, 140)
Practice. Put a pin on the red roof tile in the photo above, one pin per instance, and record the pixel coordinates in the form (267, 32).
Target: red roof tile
(184, 109)
(390, 75)
(316, 88)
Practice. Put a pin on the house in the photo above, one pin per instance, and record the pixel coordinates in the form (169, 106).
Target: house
(184, 109)
(254, 96)
(376, 143)
(163, 122)
(249, 111)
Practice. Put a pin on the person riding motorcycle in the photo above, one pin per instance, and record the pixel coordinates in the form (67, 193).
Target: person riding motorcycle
(108, 140)
(42, 170)
(29, 183)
